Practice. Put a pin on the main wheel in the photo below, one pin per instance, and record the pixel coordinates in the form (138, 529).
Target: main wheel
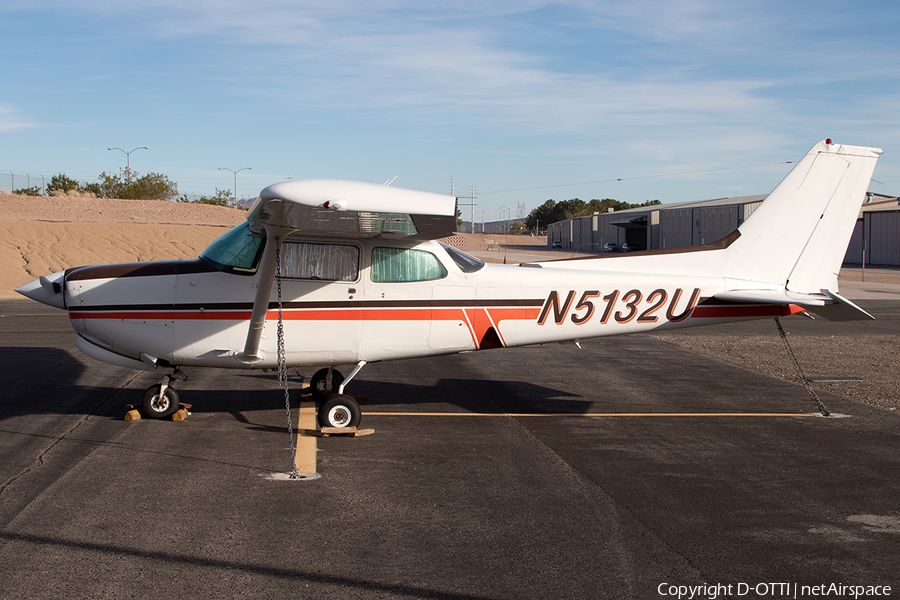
(156, 407)
(339, 410)
(322, 386)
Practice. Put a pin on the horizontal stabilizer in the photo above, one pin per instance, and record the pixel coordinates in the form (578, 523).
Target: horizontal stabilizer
(773, 297)
(828, 304)
(841, 309)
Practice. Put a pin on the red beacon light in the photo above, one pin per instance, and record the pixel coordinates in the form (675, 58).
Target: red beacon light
(828, 141)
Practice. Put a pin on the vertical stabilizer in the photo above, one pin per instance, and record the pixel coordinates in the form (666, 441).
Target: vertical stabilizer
(797, 238)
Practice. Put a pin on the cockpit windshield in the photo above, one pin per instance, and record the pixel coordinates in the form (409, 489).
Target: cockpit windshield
(236, 251)
(466, 262)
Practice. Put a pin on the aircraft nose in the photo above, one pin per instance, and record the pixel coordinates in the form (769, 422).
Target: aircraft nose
(47, 289)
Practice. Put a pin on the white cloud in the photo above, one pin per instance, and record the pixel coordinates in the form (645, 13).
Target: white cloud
(9, 119)
(675, 83)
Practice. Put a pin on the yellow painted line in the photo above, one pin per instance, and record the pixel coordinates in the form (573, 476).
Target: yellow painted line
(435, 414)
(305, 456)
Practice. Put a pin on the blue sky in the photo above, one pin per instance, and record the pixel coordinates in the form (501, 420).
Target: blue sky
(680, 100)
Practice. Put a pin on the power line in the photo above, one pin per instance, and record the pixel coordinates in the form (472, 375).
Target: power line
(545, 187)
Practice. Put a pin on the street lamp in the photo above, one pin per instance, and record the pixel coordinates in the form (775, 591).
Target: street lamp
(128, 155)
(235, 177)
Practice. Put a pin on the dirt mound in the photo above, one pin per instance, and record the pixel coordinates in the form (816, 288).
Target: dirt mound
(41, 235)
(74, 209)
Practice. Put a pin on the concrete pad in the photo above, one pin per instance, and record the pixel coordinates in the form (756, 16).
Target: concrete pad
(434, 506)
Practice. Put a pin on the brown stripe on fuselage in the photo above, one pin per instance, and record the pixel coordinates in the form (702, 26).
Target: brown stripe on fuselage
(146, 269)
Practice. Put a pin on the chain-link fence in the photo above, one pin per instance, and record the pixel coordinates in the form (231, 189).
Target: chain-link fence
(10, 180)
(15, 180)
(18, 180)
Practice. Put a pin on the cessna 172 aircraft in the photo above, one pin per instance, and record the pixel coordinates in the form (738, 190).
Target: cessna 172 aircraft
(350, 273)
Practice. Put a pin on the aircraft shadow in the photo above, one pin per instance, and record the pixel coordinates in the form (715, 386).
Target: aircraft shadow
(51, 381)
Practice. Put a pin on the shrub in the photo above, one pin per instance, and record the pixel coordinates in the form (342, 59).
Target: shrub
(221, 198)
(34, 190)
(127, 185)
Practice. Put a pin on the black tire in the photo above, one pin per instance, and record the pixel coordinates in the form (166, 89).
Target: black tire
(156, 408)
(339, 410)
(320, 388)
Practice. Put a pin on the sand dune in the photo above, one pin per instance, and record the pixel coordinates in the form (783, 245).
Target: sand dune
(43, 235)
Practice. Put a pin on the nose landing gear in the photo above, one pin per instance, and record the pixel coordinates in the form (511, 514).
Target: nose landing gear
(161, 400)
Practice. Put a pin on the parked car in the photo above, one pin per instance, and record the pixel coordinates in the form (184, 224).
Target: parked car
(556, 244)
(626, 247)
(610, 247)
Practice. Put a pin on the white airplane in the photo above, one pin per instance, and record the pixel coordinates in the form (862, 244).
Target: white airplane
(357, 276)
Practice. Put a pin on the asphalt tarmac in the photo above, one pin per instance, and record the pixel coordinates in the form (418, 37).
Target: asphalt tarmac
(701, 473)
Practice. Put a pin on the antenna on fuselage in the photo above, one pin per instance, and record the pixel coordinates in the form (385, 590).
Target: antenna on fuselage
(391, 181)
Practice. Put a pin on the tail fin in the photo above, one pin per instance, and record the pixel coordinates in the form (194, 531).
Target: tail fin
(797, 238)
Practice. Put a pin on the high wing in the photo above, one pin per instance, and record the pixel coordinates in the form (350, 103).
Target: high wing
(331, 207)
(337, 208)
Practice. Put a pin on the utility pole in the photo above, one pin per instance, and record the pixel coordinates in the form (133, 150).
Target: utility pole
(473, 208)
(471, 203)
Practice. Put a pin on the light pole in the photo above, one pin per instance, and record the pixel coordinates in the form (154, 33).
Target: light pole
(235, 177)
(128, 155)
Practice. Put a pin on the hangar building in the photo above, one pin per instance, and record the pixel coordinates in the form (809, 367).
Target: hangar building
(706, 221)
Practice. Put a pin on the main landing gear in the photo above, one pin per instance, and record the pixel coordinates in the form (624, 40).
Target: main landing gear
(161, 400)
(336, 409)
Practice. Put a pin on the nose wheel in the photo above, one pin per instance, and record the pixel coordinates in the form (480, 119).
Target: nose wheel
(161, 400)
(158, 405)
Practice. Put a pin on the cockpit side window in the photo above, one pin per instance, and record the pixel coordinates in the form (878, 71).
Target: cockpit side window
(466, 262)
(325, 262)
(236, 251)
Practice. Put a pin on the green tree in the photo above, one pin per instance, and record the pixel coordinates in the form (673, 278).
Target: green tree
(553, 212)
(62, 183)
(127, 185)
(541, 216)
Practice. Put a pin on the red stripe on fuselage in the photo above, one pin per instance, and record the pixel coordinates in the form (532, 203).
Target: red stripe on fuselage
(348, 314)
(738, 311)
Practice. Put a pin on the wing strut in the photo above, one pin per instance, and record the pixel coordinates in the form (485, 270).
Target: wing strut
(267, 271)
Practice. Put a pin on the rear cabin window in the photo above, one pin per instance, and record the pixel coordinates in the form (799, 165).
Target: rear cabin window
(325, 262)
(401, 265)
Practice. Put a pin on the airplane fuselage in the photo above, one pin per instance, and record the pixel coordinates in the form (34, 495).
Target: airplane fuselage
(345, 301)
